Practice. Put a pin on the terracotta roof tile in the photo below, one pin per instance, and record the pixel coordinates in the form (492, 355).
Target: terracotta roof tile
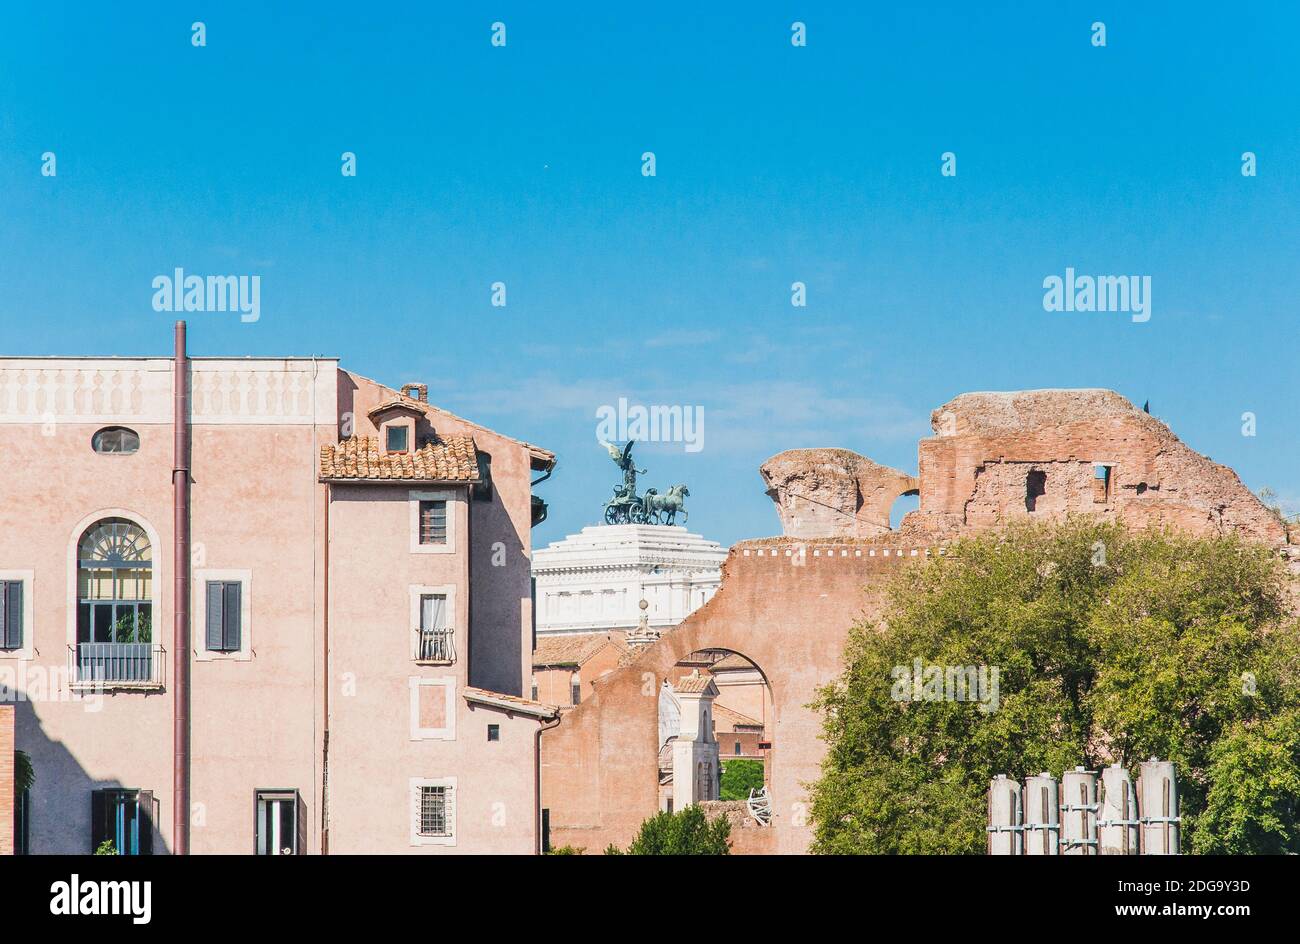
(555, 651)
(359, 459)
(696, 685)
(481, 696)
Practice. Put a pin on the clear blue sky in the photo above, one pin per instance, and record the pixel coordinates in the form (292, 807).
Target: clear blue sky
(775, 164)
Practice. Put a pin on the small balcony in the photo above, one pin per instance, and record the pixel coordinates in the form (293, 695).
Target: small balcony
(435, 646)
(117, 665)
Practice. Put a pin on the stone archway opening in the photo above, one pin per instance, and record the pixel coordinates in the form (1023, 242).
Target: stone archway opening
(904, 504)
(716, 723)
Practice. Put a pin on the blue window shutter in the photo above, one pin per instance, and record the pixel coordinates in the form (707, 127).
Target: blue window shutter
(215, 598)
(4, 612)
(233, 615)
(11, 622)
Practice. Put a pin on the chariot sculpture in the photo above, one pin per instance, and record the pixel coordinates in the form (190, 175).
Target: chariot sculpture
(626, 507)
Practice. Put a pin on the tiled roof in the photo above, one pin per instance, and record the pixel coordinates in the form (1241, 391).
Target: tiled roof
(695, 685)
(561, 651)
(733, 661)
(481, 696)
(359, 459)
(544, 456)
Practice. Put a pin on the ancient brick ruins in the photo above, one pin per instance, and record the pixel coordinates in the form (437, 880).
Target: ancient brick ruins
(833, 491)
(787, 603)
(996, 457)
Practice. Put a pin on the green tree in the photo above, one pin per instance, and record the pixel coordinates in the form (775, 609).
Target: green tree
(739, 777)
(1110, 646)
(1253, 804)
(685, 832)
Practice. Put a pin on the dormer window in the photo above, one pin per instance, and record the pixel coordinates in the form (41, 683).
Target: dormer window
(396, 421)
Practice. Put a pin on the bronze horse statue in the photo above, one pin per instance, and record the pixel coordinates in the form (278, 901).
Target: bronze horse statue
(667, 506)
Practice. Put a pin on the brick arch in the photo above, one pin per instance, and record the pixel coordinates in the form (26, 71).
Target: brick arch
(786, 606)
(914, 492)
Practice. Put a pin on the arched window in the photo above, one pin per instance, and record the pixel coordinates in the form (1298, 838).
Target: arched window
(114, 601)
(116, 440)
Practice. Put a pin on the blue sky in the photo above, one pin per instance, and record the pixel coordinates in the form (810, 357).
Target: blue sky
(775, 164)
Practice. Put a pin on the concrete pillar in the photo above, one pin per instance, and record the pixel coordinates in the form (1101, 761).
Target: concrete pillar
(1079, 812)
(1042, 816)
(1005, 817)
(1117, 824)
(1158, 804)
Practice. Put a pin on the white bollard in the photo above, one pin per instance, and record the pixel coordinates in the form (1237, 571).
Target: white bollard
(1005, 817)
(1117, 826)
(1042, 816)
(1158, 805)
(1079, 812)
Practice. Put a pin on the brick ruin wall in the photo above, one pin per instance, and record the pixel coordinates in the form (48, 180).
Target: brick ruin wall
(1035, 454)
(997, 457)
(787, 603)
(787, 607)
(821, 492)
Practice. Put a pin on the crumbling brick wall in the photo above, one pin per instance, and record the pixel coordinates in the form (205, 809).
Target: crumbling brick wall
(787, 603)
(996, 457)
(833, 492)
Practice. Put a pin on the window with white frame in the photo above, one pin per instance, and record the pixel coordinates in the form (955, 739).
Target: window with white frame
(280, 822)
(433, 521)
(223, 608)
(433, 811)
(224, 615)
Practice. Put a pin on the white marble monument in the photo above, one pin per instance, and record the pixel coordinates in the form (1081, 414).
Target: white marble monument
(594, 581)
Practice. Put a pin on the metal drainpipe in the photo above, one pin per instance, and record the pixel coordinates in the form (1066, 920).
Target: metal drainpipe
(325, 672)
(469, 584)
(537, 781)
(181, 594)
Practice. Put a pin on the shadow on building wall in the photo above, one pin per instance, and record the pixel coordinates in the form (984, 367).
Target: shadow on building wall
(59, 804)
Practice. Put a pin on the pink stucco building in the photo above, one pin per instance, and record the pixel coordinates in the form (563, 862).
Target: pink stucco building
(359, 610)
